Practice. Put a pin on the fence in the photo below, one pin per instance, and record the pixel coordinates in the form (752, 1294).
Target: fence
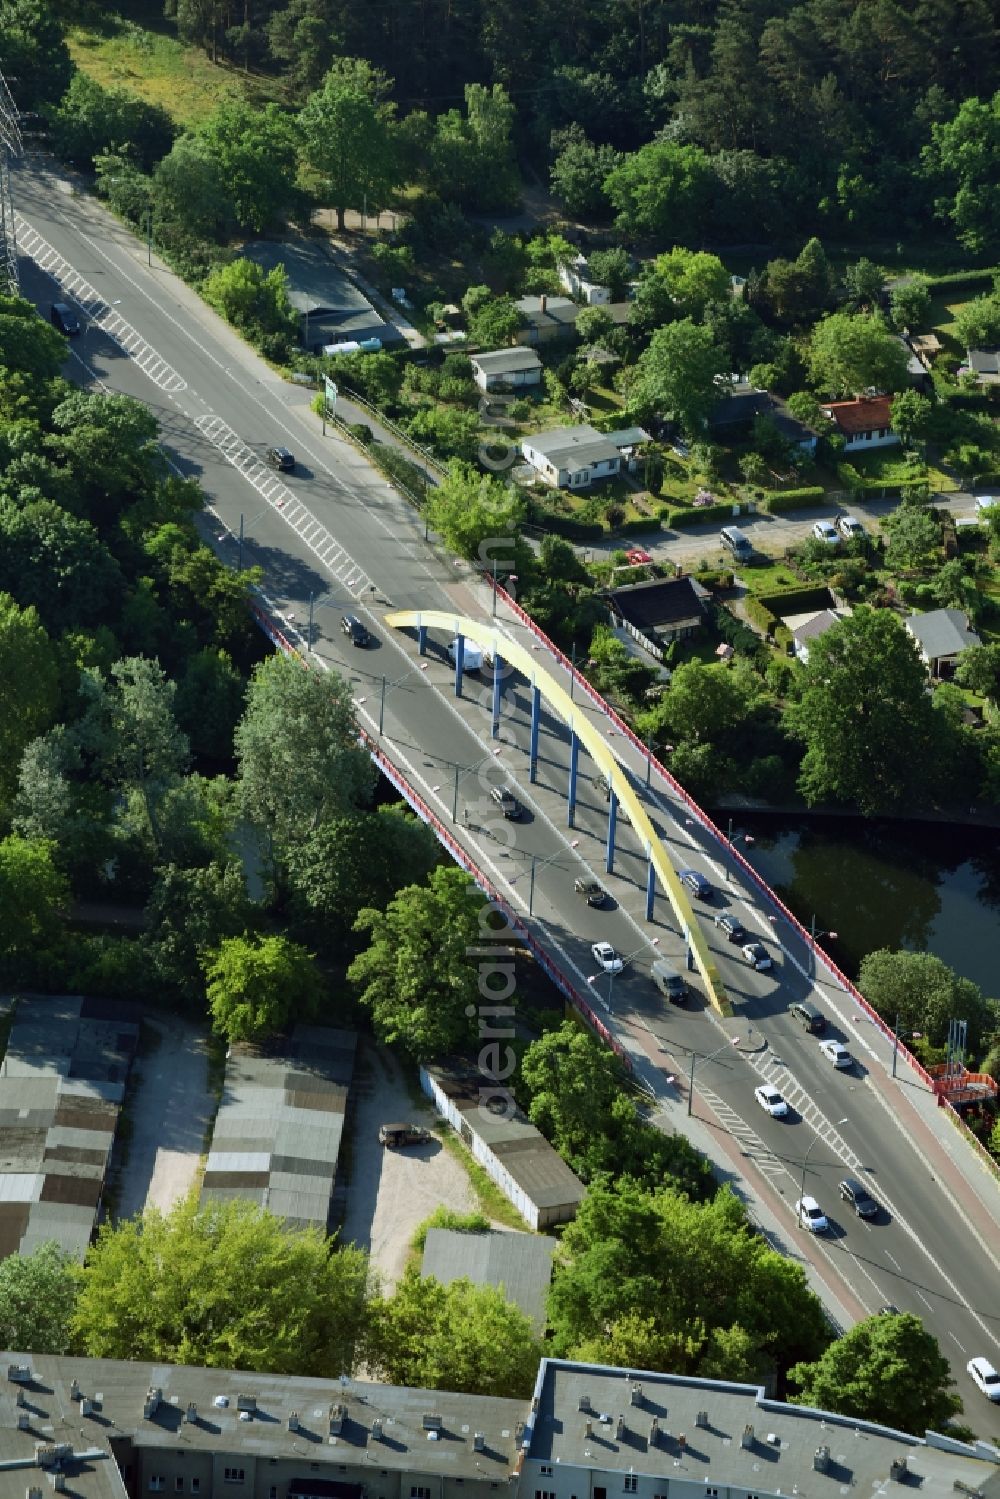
(390, 426)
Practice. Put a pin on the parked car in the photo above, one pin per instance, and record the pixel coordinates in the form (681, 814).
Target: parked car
(771, 1101)
(355, 631)
(504, 798)
(65, 319)
(281, 459)
(984, 1377)
(732, 926)
(852, 1191)
(837, 1053)
(758, 956)
(472, 656)
(696, 883)
(825, 530)
(849, 527)
(606, 957)
(395, 1135)
(811, 1215)
(592, 890)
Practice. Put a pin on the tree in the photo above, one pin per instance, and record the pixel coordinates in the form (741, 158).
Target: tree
(36, 60)
(29, 346)
(29, 687)
(910, 303)
(34, 896)
(912, 535)
(852, 352)
(661, 190)
(52, 560)
(189, 190)
(705, 701)
(965, 153)
(446, 431)
(257, 986)
(978, 322)
(863, 282)
(978, 669)
(208, 703)
(864, 716)
(611, 268)
(911, 416)
(257, 152)
(884, 1369)
(579, 172)
(922, 993)
(797, 290)
(495, 322)
(346, 130)
(297, 750)
(188, 913)
(252, 299)
(227, 1286)
(37, 1296)
(593, 324)
(677, 373)
(573, 1081)
(692, 279)
(468, 508)
(452, 1337)
(417, 975)
(92, 120)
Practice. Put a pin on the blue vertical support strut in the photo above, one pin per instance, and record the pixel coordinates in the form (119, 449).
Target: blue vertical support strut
(422, 639)
(609, 853)
(459, 664)
(574, 759)
(497, 666)
(690, 950)
(650, 888)
(536, 713)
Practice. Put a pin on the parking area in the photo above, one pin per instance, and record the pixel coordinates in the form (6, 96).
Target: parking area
(390, 1192)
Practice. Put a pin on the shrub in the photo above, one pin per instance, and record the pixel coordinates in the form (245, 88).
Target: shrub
(778, 500)
(691, 517)
(360, 432)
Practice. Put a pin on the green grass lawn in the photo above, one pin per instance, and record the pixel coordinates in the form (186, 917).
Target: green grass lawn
(159, 69)
(770, 577)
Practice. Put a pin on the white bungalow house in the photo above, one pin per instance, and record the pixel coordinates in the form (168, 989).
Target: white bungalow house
(506, 369)
(941, 636)
(805, 628)
(575, 276)
(864, 423)
(576, 457)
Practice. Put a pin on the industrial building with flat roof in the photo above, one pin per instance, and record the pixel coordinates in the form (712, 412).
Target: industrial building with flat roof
(521, 1264)
(62, 1083)
(506, 1144)
(278, 1130)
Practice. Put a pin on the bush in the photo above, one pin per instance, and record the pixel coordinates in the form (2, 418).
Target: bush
(778, 500)
(694, 516)
(563, 525)
(360, 432)
(717, 580)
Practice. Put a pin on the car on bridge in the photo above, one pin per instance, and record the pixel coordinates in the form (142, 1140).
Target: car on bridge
(65, 319)
(606, 957)
(852, 1191)
(758, 956)
(696, 883)
(984, 1377)
(771, 1101)
(811, 1215)
(472, 655)
(732, 926)
(837, 1053)
(592, 890)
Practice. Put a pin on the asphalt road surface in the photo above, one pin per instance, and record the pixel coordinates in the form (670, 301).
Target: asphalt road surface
(335, 535)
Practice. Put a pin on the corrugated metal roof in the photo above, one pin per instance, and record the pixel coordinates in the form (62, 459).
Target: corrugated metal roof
(520, 1263)
(237, 1160)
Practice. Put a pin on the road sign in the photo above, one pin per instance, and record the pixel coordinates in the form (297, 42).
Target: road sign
(331, 392)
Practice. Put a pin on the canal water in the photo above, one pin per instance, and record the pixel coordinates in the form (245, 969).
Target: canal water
(921, 886)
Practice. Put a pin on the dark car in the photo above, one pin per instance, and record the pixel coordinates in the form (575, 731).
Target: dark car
(508, 803)
(853, 1192)
(65, 319)
(592, 890)
(696, 883)
(808, 1015)
(395, 1135)
(281, 459)
(732, 926)
(355, 630)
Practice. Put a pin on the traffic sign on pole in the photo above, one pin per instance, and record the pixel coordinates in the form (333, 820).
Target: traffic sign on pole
(331, 392)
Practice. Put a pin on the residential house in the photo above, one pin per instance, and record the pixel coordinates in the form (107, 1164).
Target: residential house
(734, 414)
(941, 636)
(916, 370)
(660, 610)
(805, 628)
(547, 318)
(985, 365)
(506, 369)
(864, 422)
(926, 346)
(575, 276)
(576, 457)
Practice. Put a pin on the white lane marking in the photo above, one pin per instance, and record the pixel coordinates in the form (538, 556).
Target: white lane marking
(961, 1345)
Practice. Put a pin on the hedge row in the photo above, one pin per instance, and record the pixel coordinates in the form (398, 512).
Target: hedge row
(778, 500)
(638, 527)
(564, 525)
(699, 515)
(766, 612)
(957, 279)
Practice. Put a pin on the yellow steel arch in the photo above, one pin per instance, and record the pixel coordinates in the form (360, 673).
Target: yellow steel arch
(558, 698)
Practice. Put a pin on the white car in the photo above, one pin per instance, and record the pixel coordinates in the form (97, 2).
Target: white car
(472, 655)
(825, 530)
(757, 956)
(771, 1101)
(837, 1053)
(984, 1377)
(605, 955)
(811, 1215)
(849, 528)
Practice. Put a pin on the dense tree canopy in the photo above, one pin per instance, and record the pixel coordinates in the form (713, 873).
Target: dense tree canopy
(923, 994)
(37, 1296)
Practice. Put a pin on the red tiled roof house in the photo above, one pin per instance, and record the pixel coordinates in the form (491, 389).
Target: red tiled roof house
(863, 423)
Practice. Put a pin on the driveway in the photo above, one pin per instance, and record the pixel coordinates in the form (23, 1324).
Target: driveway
(170, 1111)
(389, 1193)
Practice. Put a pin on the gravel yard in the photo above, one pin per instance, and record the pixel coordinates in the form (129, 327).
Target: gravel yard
(390, 1192)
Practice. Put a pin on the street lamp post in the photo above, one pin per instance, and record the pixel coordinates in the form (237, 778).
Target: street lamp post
(466, 770)
(593, 977)
(745, 838)
(387, 687)
(537, 864)
(812, 1147)
(696, 1056)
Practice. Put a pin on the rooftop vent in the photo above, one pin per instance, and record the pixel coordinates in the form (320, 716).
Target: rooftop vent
(23, 1420)
(701, 1418)
(588, 1428)
(377, 1429)
(635, 1394)
(432, 1422)
(86, 1406)
(898, 1469)
(19, 1373)
(519, 1433)
(74, 1389)
(585, 1402)
(746, 1440)
(821, 1458)
(57, 1478)
(51, 1454)
(654, 1432)
(246, 1402)
(151, 1404)
(19, 1398)
(773, 1439)
(293, 1421)
(31, 1493)
(682, 1442)
(191, 1414)
(338, 1415)
(620, 1428)
(479, 1441)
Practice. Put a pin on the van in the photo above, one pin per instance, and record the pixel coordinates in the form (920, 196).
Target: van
(669, 982)
(808, 1015)
(737, 542)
